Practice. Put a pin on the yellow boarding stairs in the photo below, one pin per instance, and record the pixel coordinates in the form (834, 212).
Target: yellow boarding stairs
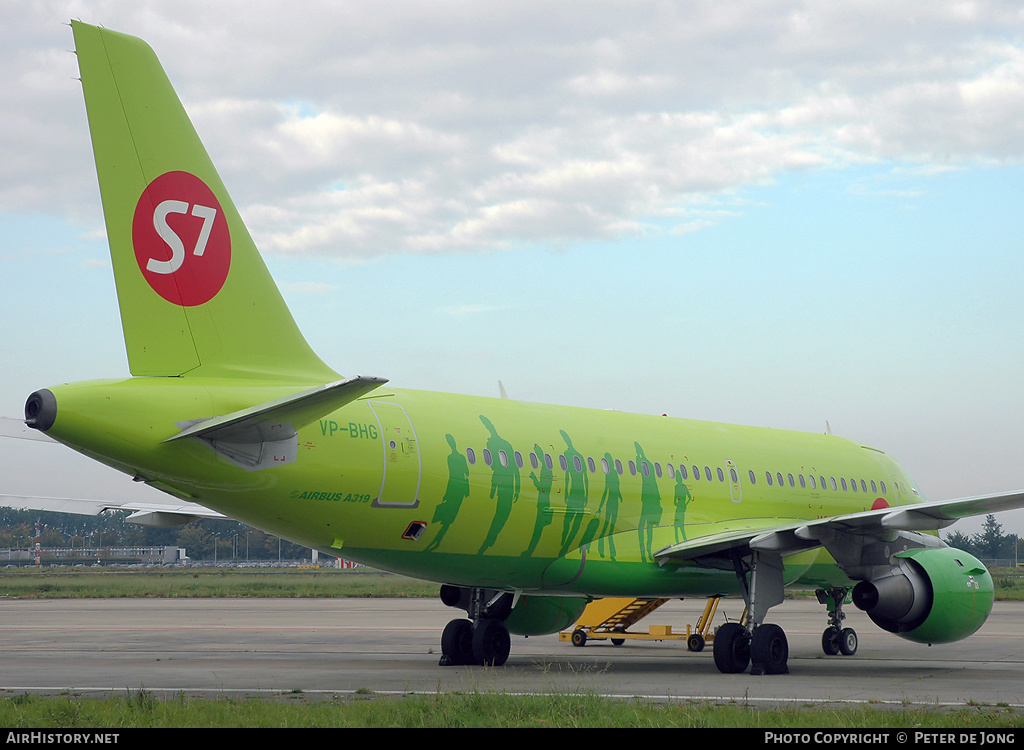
(610, 619)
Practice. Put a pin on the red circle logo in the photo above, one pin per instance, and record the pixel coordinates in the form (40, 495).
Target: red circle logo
(181, 239)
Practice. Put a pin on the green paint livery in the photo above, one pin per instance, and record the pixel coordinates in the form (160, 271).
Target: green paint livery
(524, 511)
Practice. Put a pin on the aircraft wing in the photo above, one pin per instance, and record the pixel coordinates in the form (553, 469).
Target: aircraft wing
(789, 538)
(142, 514)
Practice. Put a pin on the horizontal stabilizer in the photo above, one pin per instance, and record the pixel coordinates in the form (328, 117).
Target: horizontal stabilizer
(16, 428)
(266, 435)
(143, 514)
(263, 421)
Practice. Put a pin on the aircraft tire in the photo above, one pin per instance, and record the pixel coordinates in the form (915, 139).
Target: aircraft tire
(457, 643)
(830, 642)
(848, 642)
(769, 650)
(579, 638)
(695, 642)
(732, 648)
(491, 643)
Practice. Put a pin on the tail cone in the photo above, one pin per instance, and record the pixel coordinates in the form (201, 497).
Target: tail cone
(41, 410)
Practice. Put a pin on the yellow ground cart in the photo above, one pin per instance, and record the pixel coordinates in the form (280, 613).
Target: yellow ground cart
(611, 619)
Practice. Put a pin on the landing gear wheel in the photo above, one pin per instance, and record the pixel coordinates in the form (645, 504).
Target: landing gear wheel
(579, 638)
(695, 642)
(491, 643)
(830, 641)
(457, 643)
(769, 650)
(848, 642)
(618, 641)
(732, 648)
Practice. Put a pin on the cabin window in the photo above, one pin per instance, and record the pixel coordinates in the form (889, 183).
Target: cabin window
(696, 473)
(591, 465)
(721, 474)
(753, 478)
(821, 481)
(604, 465)
(645, 468)
(874, 487)
(803, 482)
(778, 475)
(734, 476)
(768, 478)
(833, 483)
(632, 469)
(503, 457)
(471, 456)
(842, 481)
(577, 463)
(533, 461)
(791, 482)
(883, 488)
(487, 457)
(814, 484)
(548, 462)
(707, 473)
(563, 462)
(657, 469)
(671, 471)
(618, 467)
(853, 485)
(519, 459)
(863, 486)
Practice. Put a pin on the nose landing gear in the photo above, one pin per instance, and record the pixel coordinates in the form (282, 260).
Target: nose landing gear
(836, 639)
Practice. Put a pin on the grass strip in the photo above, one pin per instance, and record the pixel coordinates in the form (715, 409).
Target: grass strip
(142, 709)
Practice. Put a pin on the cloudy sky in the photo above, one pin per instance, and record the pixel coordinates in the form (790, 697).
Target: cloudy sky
(773, 213)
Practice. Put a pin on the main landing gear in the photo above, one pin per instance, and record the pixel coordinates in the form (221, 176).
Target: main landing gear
(836, 639)
(483, 639)
(765, 649)
(761, 646)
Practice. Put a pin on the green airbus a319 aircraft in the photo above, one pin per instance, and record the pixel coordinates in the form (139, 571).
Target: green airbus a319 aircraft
(524, 512)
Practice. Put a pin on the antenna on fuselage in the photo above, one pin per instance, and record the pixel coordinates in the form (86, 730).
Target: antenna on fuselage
(828, 428)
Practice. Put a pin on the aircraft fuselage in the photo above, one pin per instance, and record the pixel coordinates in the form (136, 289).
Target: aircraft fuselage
(476, 491)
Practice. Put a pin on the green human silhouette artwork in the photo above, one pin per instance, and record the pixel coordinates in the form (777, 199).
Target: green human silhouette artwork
(610, 505)
(576, 489)
(504, 481)
(456, 491)
(543, 484)
(650, 503)
(683, 497)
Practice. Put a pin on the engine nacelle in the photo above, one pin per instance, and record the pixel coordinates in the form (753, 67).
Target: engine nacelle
(541, 615)
(929, 596)
(530, 615)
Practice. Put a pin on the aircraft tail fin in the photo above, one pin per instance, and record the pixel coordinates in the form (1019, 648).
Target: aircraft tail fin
(196, 298)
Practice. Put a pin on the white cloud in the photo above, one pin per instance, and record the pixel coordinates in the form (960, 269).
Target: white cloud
(408, 127)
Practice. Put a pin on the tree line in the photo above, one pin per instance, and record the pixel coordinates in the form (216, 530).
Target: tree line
(224, 539)
(208, 539)
(989, 544)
